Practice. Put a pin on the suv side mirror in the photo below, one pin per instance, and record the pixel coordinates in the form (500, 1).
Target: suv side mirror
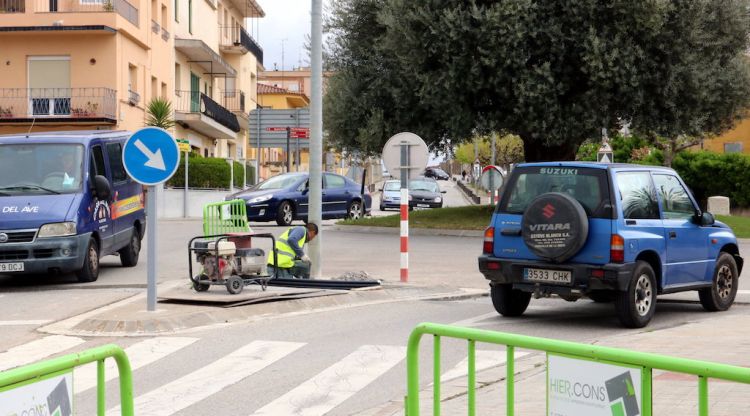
(102, 189)
(707, 219)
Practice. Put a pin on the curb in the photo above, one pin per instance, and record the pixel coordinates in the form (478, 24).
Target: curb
(412, 231)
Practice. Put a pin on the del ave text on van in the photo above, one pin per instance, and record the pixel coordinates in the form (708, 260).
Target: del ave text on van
(12, 209)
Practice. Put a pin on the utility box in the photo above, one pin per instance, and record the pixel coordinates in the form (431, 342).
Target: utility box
(718, 205)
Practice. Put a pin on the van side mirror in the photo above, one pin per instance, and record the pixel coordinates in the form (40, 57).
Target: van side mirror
(102, 189)
(443, 192)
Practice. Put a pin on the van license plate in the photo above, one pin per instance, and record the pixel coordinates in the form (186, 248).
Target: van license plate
(11, 267)
(547, 276)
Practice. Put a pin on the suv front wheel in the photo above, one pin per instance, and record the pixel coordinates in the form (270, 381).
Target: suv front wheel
(721, 294)
(508, 301)
(636, 305)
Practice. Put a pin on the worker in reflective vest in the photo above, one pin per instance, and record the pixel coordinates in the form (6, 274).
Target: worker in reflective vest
(291, 260)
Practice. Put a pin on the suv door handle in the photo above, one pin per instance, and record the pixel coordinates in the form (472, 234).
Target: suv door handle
(672, 234)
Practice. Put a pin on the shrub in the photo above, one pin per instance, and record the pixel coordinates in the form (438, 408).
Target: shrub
(209, 172)
(710, 174)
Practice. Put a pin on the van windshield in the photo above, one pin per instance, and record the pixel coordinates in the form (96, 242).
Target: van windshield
(40, 169)
(588, 186)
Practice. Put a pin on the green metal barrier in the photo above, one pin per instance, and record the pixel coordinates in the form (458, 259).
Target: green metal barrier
(38, 371)
(702, 369)
(225, 217)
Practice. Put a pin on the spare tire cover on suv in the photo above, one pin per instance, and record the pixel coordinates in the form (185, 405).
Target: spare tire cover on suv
(555, 226)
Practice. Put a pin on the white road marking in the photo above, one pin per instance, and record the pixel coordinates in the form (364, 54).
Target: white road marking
(334, 385)
(37, 350)
(25, 322)
(140, 355)
(211, 379)
(474, 320)
(484, 360)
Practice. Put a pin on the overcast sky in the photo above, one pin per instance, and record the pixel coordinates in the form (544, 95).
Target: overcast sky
(285, 19)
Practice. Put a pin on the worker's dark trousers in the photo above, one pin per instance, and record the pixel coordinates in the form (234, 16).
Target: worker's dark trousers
(300, 270)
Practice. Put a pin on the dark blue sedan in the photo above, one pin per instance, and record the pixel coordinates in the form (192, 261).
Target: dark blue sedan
(283, 198)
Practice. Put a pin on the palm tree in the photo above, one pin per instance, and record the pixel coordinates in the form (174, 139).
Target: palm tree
(159, 112)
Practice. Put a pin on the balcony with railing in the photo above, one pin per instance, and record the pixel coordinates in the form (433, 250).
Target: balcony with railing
(49, 105)
(199, 112)
(155, 27)
(121, 7)
(234, 101)
(164, 33)
(235, 39)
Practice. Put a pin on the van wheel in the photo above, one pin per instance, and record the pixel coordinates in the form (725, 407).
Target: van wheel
(636, 306)
(90, 270)
(508, 301)
(129, 254)
(285, 215)
(721, 294)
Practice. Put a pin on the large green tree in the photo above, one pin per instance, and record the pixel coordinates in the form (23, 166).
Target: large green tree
(553, 72)
(697, 75)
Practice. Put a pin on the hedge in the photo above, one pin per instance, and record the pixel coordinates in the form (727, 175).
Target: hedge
(209, 172)
(716, 174)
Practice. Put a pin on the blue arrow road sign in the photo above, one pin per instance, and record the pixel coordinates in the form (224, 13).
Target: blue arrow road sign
(151, 156)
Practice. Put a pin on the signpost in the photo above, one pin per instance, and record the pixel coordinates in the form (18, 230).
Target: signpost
(492, 180)
(405, 156)
(150, 157)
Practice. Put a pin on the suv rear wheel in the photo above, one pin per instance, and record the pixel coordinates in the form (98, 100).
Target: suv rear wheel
(508, 301)
(636, 305)
(721, 294)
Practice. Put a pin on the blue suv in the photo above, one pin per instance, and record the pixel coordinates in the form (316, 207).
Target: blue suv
(609, 232)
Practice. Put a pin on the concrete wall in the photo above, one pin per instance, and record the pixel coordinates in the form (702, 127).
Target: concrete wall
(170, 202)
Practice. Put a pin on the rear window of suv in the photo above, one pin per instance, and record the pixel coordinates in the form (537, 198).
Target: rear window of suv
(588, 186)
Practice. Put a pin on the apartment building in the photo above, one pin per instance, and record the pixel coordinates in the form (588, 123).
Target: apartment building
(95, 64)
(82, 64)
(297, 80)
(215, 74)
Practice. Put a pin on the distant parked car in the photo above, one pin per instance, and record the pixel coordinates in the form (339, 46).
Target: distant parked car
(283, 198)
(391, 195)
(436, 173)
(425, 193)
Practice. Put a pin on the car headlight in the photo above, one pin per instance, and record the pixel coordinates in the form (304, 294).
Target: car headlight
(438, 199)
(57, 229)
(263, 198)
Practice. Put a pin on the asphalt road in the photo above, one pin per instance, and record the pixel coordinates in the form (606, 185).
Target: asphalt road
(345, 361)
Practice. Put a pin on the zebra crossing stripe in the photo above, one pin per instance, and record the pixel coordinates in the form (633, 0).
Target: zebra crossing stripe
(484, 360)
(334, 385)
(211, 379)
(37, 350)
(140, 355)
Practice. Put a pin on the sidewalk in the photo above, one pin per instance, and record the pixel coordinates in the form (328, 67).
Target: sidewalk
(721, 339)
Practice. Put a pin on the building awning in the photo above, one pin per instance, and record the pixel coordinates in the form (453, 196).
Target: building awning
(248, 8)
(199, 53)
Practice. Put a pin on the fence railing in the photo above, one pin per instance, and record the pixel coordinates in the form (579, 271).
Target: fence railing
(703, 370)
(121, 7)
(12, 6)
(155, 27)
(164, 33)
(20, 376)
(225, 217)
(22, 103)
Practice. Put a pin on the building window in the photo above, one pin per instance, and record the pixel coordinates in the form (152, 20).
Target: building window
(164, 17)
(49, 81)
(177, 77)
(154, 87)
(733, 147)
(190, 16)
(164, 90)
(132, 78)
